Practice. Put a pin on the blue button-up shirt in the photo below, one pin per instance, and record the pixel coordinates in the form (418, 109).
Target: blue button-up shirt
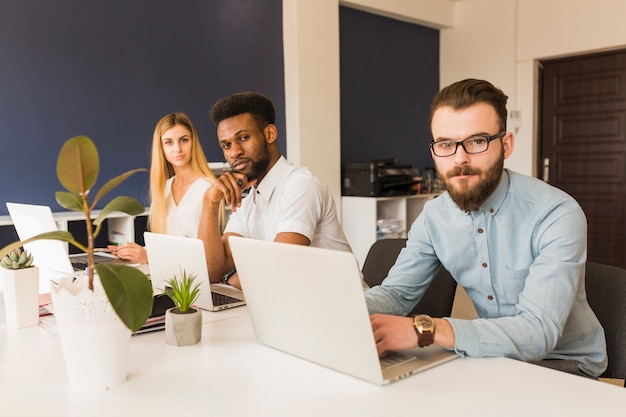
(520, 258)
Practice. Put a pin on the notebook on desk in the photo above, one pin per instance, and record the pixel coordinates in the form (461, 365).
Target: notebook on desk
(322, 315)
(169, 255)
(30, 220)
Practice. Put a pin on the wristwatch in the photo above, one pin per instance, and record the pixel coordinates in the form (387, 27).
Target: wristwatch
(226, 277)
(425, 329)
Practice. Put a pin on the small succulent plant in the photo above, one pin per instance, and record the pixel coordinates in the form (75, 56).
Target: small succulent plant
(182, 291)
(17, 259)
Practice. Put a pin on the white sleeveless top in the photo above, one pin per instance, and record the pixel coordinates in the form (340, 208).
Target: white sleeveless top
(184, 219)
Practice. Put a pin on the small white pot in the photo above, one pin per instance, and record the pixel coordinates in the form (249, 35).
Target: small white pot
(183, 329)
(95, 342)
(21, 296)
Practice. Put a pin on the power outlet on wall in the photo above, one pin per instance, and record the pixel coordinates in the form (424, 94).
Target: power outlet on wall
(515, 120)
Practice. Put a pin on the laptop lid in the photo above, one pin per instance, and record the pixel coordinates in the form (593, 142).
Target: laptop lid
(30, 220)
(322, 315)
(168, 255)
(52, 255)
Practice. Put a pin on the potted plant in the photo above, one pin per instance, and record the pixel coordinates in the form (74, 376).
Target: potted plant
(183, 324)
(95, 313)
(21, 289)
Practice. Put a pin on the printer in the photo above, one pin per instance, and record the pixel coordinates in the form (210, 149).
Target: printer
(378, 178)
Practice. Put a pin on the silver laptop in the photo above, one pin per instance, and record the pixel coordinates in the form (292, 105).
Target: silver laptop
(169, 255)
(30, 220)
(322, 315)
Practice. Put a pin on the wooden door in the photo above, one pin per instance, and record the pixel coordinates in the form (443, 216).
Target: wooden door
(582, 143)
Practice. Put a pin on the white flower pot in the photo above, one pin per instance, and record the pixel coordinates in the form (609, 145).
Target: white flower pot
(21, 296)
(183, 329)
(94, 340)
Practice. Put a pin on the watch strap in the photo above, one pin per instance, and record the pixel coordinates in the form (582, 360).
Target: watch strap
(226, 277)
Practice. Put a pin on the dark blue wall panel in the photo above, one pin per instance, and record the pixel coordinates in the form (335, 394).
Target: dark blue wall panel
(389, 75)
(110, 69)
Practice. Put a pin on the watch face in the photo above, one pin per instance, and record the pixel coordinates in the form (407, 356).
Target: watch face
(425, 328)
(424, 323)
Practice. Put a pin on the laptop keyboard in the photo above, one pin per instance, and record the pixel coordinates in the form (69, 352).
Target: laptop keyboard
(395, 358)
(78, 264)
(222, 299)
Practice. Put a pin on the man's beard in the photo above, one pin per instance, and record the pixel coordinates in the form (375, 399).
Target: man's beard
(470, 199)
(259, 167)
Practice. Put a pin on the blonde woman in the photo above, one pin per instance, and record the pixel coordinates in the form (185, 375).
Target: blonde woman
(179, 175)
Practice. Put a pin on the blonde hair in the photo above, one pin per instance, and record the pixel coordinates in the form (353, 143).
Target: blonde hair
(161, 170)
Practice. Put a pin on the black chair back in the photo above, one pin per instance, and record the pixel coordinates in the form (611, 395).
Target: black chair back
(439, 297)
(606, 293)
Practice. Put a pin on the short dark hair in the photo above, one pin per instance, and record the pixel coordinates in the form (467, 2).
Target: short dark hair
(258, 105)
(466, 93)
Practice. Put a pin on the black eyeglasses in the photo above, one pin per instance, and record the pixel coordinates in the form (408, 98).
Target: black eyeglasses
(471, 145)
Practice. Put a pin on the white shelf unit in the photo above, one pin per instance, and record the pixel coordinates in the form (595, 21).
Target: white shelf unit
(117, 222)
(359, 216)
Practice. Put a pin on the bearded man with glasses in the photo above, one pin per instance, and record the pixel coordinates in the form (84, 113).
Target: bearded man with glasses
(517, 245)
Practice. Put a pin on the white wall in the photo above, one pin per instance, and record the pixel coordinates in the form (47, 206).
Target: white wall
(498, 40)
(312, 106)
(431, 13)
(312, 91)
(501, 41)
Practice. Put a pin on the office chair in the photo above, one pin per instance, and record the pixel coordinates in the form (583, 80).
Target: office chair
(439, 297)
(606, 293)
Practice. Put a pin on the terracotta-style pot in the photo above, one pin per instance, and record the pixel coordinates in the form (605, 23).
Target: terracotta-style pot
(183, 329)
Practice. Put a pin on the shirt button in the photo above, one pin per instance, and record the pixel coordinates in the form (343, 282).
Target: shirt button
(490, 297)
(491, 211)
(480, 230)
(484, 265)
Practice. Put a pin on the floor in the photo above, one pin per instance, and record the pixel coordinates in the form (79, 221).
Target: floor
(464, 309)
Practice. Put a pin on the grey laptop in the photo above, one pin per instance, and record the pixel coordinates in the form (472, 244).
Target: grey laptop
(30, 220)
(169, 255)
(322, 316)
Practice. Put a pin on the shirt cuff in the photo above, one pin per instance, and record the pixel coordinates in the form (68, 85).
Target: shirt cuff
(466, 338)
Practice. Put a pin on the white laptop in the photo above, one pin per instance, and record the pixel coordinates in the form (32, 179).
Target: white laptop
(30, 220)
(322, 315)
(169, 255)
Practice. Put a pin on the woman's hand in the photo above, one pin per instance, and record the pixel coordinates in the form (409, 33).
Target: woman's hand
(130, 251)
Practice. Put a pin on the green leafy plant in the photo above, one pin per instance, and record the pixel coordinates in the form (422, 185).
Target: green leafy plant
(17, 259)
(182, 291)
(127, 288)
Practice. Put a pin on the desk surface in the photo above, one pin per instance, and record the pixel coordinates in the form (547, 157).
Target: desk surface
(229, 373)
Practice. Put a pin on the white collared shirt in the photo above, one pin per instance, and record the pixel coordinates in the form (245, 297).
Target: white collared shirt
(290, 199)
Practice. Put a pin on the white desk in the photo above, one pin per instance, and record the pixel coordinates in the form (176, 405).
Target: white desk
(228, 373)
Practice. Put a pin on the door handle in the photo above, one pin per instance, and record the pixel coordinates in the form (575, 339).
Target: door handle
(546, 169)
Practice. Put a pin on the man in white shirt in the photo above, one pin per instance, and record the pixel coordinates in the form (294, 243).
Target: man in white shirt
(285, 203)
